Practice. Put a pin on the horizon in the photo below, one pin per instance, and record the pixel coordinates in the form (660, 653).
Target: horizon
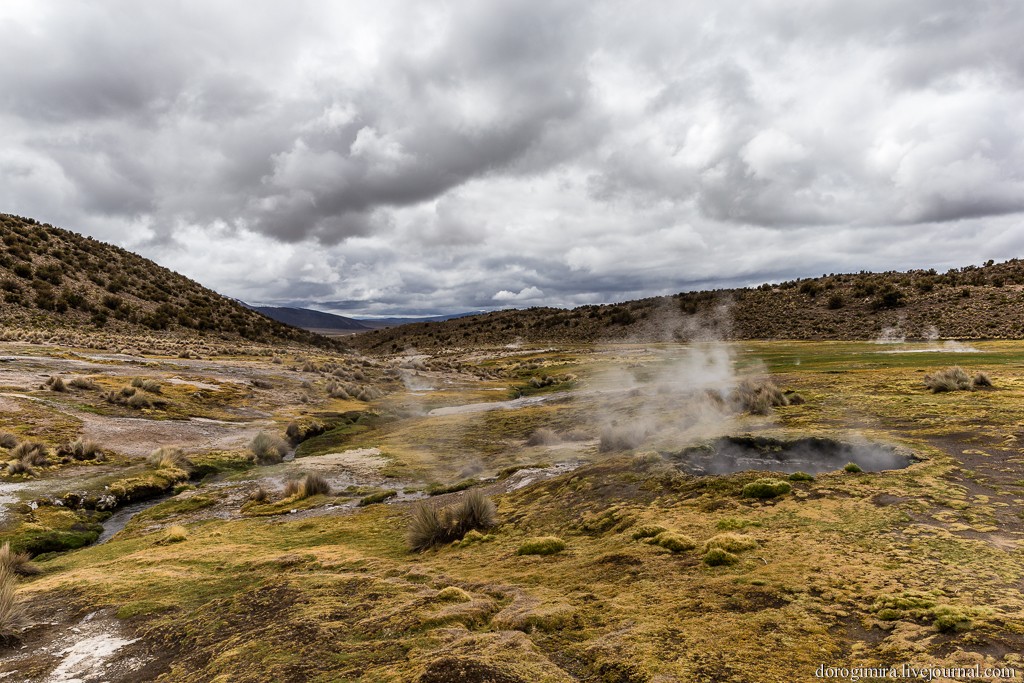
(391, 160)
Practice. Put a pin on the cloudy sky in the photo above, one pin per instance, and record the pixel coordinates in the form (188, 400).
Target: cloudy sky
(400, 157)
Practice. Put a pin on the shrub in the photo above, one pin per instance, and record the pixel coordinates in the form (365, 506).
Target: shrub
(674, 542)
(733, 543)
(950, 379)
(16, 563)
(8, 440)
(12, 613)
(268, 449)
(766, 488)
(852, 467)
(982, 380)
(56, 384)
(801, 476)
(648, 531)
(543, 545)
(169, 458)
(717, 557)
(83, 383)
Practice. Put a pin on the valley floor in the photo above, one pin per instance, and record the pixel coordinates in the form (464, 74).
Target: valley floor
(153, 570)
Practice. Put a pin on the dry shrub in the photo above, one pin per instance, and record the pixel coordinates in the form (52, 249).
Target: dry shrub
(8, 440)
(982, 380)
(55, 383)
(83, 383)
(949, 379)
(260, 495)
(268, 449)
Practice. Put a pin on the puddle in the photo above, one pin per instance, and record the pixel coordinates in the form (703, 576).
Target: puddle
(812, 455)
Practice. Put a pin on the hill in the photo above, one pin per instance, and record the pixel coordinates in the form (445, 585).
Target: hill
(973, 302)
(53, 279)
(311, 320)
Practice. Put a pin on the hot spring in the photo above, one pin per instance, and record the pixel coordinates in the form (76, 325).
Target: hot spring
(812, 455)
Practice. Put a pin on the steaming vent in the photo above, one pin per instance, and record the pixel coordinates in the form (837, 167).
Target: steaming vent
(810, 454)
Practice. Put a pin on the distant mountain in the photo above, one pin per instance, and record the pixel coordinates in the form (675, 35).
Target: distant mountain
(54, 279)
(377, 323)
(309, 319)
(973, 302)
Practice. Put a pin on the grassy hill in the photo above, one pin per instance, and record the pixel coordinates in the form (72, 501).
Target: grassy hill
(53, 279)
(974, 302)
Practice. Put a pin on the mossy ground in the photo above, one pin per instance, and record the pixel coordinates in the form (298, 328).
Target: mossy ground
(331, 597)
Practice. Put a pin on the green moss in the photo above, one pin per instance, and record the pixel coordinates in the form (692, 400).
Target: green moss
(379, 497)
(766, 488)
(675, 542)
(647, 531)
(852, 467)
(543, 545)
(801, 476)
(717, 557)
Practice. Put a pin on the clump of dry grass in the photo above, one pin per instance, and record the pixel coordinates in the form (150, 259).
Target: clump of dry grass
(8, 440)
(433, 525)
(174, 534)
(32, 453)
(982, 380)
(82, 449)
(260, 495)
(268, 449)
(170, 458)
(16, 563)
(758, 398)
(949, 379)
(12, 612)
(83, 383)
(310, 485)
(55, 383)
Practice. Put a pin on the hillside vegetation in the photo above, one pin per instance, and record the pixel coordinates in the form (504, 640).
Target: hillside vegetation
(974, 302)
(53, 279)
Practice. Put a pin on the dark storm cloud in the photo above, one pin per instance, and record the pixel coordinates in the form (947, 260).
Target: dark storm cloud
(426, 156)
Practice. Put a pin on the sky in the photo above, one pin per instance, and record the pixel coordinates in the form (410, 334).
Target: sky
(399, 157)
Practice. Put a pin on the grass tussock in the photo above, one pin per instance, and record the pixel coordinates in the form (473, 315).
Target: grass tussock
(542, 545)
(758, 398)
(268, 449)
(55, 383)
(677, 543)
(16, 563)
(32, 453)
(169, 458)
(852, 468)
(955, 378)
(718, 557)
(432, 525)
(647, 531)
(308, 486)
(83, 449)
(543, 437)
(83, 383)
(12, 612)
(259, 495)
(8, 440)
